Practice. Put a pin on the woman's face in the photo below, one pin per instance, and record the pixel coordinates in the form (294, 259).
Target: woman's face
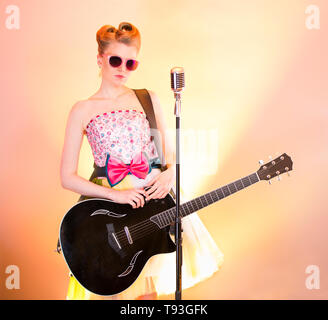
(117, 49)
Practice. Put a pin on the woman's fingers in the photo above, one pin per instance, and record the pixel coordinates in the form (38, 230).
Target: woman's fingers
(152, 188)
(154, 194)
(162, 194)
(133, 205)
(139, 199)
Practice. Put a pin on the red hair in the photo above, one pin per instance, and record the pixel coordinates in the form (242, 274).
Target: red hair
(126, 33)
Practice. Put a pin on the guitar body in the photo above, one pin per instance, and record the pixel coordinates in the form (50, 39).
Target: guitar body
(96, 245)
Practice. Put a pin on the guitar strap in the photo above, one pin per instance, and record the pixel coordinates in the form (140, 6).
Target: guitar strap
(145, 101)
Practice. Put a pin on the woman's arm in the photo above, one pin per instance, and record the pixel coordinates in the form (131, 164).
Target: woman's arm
(70, 157)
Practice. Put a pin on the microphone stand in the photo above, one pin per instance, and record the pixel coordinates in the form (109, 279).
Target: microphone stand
(178, 234)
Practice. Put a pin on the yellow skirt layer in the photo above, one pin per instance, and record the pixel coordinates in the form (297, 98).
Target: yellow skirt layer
(200, 255)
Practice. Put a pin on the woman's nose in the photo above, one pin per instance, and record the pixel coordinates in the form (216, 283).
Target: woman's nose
(121, 68)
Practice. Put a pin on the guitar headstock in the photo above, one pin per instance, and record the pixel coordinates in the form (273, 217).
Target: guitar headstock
(276, 167)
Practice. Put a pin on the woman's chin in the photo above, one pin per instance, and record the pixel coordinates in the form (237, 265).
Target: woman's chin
(117, 80)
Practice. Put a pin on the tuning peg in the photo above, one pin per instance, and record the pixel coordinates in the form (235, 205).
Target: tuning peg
(288, 174)
(279, 178)
(272, 161)
(269, 181)
(261, 162)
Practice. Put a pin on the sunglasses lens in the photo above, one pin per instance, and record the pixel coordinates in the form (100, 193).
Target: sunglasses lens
(131, 64)
(115, 61)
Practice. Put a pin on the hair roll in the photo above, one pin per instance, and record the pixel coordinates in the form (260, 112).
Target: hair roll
(126, 33)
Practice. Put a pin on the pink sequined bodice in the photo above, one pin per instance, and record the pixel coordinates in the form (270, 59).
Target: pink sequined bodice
(120, 133)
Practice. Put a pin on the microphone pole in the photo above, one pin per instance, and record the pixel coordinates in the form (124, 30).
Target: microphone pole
(177, 85)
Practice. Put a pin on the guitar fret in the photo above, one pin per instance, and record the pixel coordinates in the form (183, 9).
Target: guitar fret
(169, 216)
(254, 178)
(195, 203)
(232, 187)
(239, 185)
(183, 210)
(160, 219)
(164, 217)
(164, 220)
(194, 207)
(225, 190)
(189, 206)
(172, 214)
(204, 205)
(221, 193)
(245, 182)
(186, 213)
(214, 196)
(199, 203)
(206, 199)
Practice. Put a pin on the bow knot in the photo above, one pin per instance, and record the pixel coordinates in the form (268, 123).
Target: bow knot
(116, 169)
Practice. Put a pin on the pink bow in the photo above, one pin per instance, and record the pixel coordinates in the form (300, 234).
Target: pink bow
(116, 169)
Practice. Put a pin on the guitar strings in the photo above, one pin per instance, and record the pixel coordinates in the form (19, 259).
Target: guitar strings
(147, 230)
(144, 229)
(139, 225)
(139, 229)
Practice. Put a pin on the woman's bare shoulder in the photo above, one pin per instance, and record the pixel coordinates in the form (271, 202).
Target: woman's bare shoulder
(77, 114)
(156, 103)
(79, 108)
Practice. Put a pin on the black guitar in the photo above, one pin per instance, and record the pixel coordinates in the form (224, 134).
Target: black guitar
(107, 244)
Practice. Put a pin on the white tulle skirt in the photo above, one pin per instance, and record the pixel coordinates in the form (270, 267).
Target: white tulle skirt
(201, 257)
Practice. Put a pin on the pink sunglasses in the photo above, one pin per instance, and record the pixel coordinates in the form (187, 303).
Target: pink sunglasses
(116, 61)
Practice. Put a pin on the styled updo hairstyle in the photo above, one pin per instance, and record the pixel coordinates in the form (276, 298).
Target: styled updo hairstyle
(126, 33)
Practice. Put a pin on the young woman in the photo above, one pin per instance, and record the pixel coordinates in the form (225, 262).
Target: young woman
(115, 124)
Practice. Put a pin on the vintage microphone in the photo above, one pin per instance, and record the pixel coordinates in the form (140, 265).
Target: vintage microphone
(177, 85)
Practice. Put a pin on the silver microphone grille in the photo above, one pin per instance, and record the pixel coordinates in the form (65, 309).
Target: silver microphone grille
(177, 79)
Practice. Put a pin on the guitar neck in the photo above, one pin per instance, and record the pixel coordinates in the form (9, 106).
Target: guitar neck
(166, 217)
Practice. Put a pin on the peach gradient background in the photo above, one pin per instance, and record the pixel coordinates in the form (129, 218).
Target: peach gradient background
(254, 73)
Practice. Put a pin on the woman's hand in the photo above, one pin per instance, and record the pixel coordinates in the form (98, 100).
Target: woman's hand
(134, 196)
(162, 184)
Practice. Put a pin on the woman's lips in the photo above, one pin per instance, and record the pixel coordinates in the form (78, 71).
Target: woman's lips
(119, 76)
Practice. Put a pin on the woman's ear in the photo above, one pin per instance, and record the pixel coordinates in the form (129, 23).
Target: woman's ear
(99, 61)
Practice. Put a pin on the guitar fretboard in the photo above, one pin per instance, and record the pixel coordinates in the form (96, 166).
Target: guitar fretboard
(166, 217)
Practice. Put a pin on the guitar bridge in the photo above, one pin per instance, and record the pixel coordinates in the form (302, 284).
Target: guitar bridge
(113, 240)
(114, 236)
